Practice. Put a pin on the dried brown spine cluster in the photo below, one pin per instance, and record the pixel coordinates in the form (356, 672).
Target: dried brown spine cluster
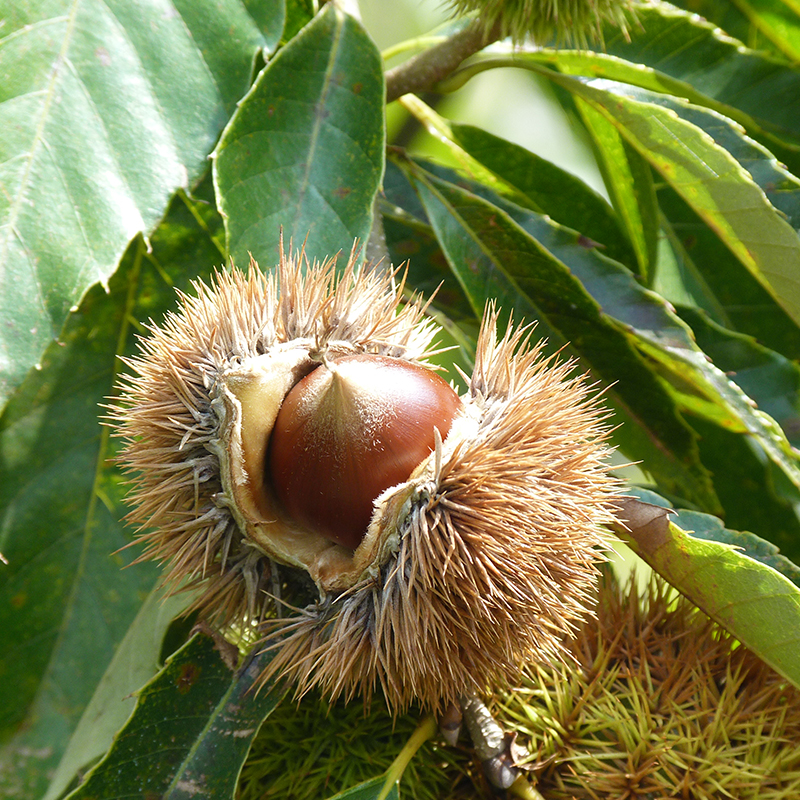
(482, 559)
(659, 702)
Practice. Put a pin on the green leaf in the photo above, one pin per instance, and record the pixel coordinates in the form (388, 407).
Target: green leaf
(781, 188)
(629, 180)
(698, 385)
(755, 603)
(703, 389)
(493, 257)
(710, 180)
(428, 273)
(134, 663)
(679, 53)
(412, 243)
(64, 598)
(298, 14)
(305, 149)
(754, 493)
(720, 284)
(373, 789)
(271, 16)
(106, 109)
(703, 526)
(547, 189)
(769, 378)
(204, 718)
(768, 22)
(65, 602)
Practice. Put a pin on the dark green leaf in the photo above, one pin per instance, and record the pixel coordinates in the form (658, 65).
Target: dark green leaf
(699, 386)
(134, 663)
(204, 716)
(64, 599)
(370, 790)
(65, 604)
(730, 19)
(697, 383)
(428, 273)
(548, 189)
(755, 603)
(412, 243)
(305, 149)
(755, 495)
(769, 378)
(106, 109)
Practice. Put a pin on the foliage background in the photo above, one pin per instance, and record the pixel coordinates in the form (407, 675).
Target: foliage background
(143, 143)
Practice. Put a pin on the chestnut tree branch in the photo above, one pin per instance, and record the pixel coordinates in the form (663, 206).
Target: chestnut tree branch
(424, 71)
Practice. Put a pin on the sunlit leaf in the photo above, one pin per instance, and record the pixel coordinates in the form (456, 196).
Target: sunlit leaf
(710, 180)
(774, 23)
(305, 149)
(680, 54)
(627, 177)
(781, 188)
(720, 284)
(629, 181)
(754, 602)
(106, 109)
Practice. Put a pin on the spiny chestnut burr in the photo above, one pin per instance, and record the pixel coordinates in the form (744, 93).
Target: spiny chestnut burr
(567, 21)
(435, 565)
(348, 431)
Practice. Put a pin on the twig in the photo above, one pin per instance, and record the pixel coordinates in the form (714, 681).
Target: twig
(424, 71)
(425, 730)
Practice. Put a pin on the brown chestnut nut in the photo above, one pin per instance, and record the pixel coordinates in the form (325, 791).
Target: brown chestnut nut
(347, 432)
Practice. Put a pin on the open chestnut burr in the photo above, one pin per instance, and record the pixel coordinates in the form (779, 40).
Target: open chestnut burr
(286, 433)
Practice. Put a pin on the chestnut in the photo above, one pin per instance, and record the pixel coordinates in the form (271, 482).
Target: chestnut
(348, 431)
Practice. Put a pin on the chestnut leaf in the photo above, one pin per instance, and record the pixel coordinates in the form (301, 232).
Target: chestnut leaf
(676, 52)
(494, 257)
(206, 717)
(66, 602)
(106, 109)
(752, 600)
(305, 150)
